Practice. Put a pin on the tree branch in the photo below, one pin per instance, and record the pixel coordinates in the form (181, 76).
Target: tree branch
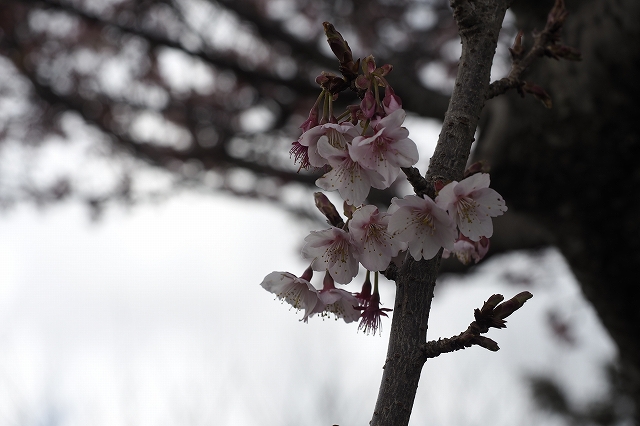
(545, 44)
(491, 315)
(154, 154)
(479, 24)
(299, 84)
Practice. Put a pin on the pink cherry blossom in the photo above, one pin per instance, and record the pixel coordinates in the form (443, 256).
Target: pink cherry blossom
(466, 250)
(338, 302)
(375, 245)
(388, 149)
(298, 292)
(336, 135)
(422, 224)
(472, 204)
(347, 176)
(332, 250)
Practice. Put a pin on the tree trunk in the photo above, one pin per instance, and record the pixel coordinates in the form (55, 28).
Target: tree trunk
(574, 167)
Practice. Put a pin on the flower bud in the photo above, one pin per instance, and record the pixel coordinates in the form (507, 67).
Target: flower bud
(556, 16)
(355, 113)
(477, 167)
(560, 51)
(491, 303)
(517, 50)
(391, 101)
(486, 343)
(363, 82)
(384, 70)
(368, 104)
(368, 65)
(327, 208)
(505, 309)
(337, 43)
(538, 93)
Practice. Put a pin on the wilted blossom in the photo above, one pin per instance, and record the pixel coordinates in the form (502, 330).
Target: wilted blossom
(300, 155)
(466, 250)
(422, 224)
(336, 135)
(472, 204)
(370, 321)
(348, 177)
(376, 246)
(388, 149)
(332, 250)
(298, 292)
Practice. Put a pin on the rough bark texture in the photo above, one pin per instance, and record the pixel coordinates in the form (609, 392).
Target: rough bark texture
(587, 144)
(480, 24)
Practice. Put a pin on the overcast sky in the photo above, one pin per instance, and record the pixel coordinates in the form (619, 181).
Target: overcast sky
(155, 316)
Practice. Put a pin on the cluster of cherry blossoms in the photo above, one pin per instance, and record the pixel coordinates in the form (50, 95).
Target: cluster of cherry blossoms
(367, 147)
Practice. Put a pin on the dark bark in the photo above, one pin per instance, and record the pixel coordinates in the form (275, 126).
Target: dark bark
(479, 23)
(574, 168)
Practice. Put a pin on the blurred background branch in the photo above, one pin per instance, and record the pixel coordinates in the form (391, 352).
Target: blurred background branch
(139, 99)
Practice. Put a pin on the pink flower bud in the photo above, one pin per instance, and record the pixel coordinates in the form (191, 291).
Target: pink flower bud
(517, 50)
(368, 104)
(391, 101)
(539, 93)
(368, 65)
(384, 70)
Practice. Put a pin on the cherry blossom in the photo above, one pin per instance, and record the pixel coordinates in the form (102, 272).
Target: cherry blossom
(472, 204)
(347, 176)
(376, 247)
(466, 250)
(388, 149)
(332, 250)
(336, 135)
(338, 302)
(298, 292)
(422, 224)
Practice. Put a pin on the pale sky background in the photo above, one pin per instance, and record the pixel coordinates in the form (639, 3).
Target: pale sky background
(154, 315)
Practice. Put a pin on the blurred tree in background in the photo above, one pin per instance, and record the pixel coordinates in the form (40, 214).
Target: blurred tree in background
(149, 96)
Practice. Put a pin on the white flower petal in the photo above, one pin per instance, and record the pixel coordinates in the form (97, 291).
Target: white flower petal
(473, 183)
(491, 201)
